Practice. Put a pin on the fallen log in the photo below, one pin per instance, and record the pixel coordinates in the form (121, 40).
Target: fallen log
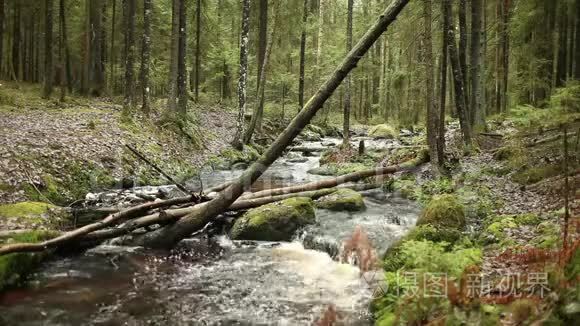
(537, 142)
(173, 214)
(111, 220)
(308, 149)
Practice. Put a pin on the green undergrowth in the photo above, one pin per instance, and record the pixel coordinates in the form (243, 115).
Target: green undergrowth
(15, 267)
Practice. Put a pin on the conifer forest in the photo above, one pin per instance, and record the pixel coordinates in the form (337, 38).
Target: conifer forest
(289, 162)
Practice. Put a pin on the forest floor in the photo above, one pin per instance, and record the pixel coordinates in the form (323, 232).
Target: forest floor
(47, 147)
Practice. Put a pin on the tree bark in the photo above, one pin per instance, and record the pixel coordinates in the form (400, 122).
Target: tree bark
(262, 38)
(463, 48)
(146, 56)
(347, 100)
(302, 57)
(432, 114)
(477, 114)
(95, 46)
(172, 89)
(243, 79)
(443, 89)
(112, 58)
(181, 56)
(48, 68)
(457, 76)
(2, 20)
(64, 52)
(16, 42)
(129, 102)
(171, 234)
(197, 48)
(256, 121)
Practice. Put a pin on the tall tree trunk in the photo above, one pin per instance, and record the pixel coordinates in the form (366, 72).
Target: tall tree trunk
(302, 56)
(129, 103)
(146, 56)
(243, 79)
(346, 112)
(172, 88)
(95, 46)
(64, 52)
(463, 47)
(197, 49)
(319, 38)
(262, 37)
(505, 41)
(477, 114)
(457, 76)
(112, 57)
(256, 121)
(577, 42)
(443, 88)
(2, 20)
(432, 114)
(48, 68)
(16, 41)
(181, 56)
(171, 234)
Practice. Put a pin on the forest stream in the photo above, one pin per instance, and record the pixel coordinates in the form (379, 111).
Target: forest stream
(218, 281)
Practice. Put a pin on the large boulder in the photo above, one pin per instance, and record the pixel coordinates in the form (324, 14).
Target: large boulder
(383, 131)
(342, 200)
(443, 211)
(274, 222)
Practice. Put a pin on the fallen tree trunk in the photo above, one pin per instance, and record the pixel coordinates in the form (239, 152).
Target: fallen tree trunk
(93, 232)
(308, 149)
(111, 220)
(168, 236)
(173, 214)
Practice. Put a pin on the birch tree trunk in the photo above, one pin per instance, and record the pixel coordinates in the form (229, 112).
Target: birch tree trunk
(243, 79)
(171, 234)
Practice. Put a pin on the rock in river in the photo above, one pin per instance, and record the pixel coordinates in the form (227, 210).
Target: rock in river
(342, 200)
(275, 222)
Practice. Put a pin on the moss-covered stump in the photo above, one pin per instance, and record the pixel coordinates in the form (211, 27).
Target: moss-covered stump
(342, 200)
(383, 131)
(275, 222)
(15, 267)
(443, 211)
(27, 209)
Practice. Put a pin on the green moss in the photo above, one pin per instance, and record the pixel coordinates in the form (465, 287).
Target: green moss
(527, 219)
(25, 209)
(407, 188)
(14, 267)
(534, 174)
(430, 233)
(383, 131)
(274, 222)
(500, 224)
(443, 211)
(548, 235)
(342, 200)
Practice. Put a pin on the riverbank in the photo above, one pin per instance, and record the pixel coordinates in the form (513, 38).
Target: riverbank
(503, 262)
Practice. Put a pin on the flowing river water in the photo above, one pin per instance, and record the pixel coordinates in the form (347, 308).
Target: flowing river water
(218, 281)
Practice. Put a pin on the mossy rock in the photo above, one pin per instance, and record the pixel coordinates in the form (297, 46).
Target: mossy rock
(316, 129)
(342, 200)
(325, 170)
(27, 209)
(535, 174)
(505, 153)
(310, 135)
(275, 222)
(443, 211)
(14, 267)
(429, 232)
(499, 225)
(383, 131)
